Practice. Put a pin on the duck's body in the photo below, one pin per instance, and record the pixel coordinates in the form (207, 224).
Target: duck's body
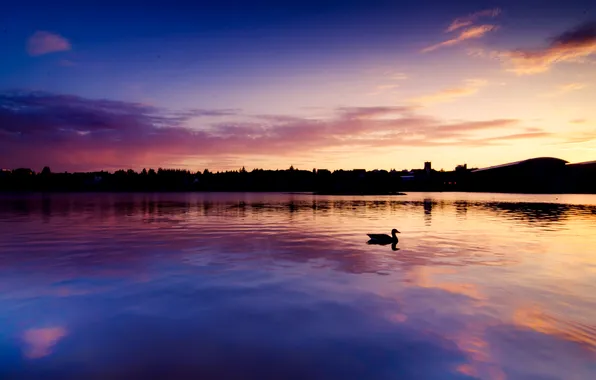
(384, 238)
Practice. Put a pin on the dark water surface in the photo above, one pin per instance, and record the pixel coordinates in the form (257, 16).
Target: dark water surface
(284, 286)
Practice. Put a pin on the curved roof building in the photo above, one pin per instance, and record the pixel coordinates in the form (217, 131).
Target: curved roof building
(535, 175)
(532, 162)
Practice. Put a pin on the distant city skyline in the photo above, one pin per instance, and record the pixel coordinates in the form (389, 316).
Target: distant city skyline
(243, 168)
(314, 84)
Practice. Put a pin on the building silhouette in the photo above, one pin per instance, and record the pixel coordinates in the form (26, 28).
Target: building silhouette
(535, 175)
(427, 168)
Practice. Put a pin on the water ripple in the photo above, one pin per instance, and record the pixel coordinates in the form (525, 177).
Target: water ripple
(284, 286)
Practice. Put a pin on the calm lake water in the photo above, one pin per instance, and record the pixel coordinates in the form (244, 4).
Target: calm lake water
(284, 286)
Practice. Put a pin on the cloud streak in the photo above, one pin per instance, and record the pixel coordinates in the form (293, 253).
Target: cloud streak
(383, 89)
(42, 42)
(471, 87)
(74, 133)
(574, 45)
(521, 136)
(469, 19)
(566, 88)
(581, 137)
(467, 34)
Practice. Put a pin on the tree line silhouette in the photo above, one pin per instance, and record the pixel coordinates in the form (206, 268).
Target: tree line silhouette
(536, 177)
(184, 180)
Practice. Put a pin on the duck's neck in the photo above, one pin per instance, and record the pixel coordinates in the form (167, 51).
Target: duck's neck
(393, 235)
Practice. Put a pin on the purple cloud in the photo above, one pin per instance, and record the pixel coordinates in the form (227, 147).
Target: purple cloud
(74, 133)
(582, 34)
(576, 45)
(42, 42)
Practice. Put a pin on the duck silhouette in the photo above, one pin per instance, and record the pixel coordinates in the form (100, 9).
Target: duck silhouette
(384, 239)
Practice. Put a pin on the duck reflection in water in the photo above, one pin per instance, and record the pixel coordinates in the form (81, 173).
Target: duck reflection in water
(384, 239)
(393, 245)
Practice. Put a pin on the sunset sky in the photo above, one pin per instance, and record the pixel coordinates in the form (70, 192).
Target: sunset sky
(315, 84)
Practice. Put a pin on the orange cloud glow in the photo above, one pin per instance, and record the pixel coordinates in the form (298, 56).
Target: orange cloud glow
(577, 121)
(469, 20)
(574, 46)
(470, 33)
(572, 86)
(581, 137)
(449, 94)
(565, 88)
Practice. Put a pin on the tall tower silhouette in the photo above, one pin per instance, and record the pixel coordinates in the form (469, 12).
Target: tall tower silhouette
(427, 167)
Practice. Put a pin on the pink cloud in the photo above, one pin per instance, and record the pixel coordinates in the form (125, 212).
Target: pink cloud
(40, 342)
(73, 133)
(42, 42)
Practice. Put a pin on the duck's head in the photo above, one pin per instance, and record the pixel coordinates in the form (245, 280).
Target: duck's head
(394, 231)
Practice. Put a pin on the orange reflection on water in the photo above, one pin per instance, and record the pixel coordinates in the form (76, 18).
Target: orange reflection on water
(533, 317)
(489, 373)
(481, 361)
(424, 277)
(470, 338)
